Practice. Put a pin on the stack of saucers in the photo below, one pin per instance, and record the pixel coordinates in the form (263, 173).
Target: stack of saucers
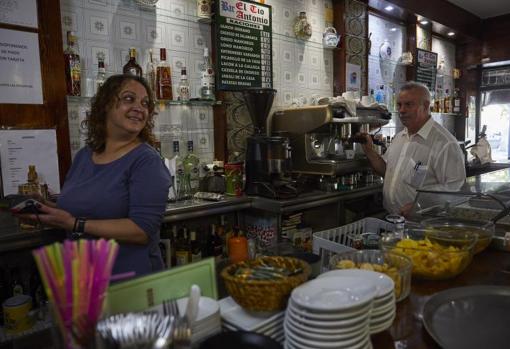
(330, 312)
(384, 305)
(236, 318)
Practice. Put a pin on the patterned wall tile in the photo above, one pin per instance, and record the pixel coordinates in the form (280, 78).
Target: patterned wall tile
(97, 25)
(127, 28)
(178, 38)
(178, 60)
(153, 33)
(72, 20)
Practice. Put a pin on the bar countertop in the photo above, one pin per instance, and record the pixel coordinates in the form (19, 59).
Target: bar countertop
(490, 267)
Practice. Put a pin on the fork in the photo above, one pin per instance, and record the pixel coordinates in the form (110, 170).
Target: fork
(170, 308)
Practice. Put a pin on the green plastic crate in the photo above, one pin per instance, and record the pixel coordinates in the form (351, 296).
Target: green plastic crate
(146, 291)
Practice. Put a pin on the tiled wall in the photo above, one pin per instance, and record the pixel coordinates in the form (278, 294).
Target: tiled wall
(445, 51)
(355, 36)
(108, 28)
(385, 71)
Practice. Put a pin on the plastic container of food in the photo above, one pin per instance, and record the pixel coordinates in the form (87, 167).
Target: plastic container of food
(396, 266)
(435, 254)
(484, 231)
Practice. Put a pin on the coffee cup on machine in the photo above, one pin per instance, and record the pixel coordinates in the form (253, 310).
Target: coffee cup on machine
(366, 101)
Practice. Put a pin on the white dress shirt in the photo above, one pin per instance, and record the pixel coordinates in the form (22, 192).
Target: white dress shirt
(430, 159)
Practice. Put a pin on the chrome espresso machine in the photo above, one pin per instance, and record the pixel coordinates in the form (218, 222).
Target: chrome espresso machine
(323, 137)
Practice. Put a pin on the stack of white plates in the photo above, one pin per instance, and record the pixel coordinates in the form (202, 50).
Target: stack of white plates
(235, 318)
(330, 312)
(208, 320)
(384, 305)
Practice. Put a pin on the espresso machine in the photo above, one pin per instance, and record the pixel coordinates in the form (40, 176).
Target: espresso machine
(268, 158)
(323, 137)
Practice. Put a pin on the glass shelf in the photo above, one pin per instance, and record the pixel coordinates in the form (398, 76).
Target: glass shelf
(197, 102)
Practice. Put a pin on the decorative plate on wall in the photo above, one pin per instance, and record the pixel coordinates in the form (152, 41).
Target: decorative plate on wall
(385, 50)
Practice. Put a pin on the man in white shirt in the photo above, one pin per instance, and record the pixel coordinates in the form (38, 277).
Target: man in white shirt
(424, 155)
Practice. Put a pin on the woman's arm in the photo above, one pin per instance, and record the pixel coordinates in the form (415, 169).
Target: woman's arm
(122, 230)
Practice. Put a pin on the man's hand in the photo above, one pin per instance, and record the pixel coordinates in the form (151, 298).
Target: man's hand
(406, 209)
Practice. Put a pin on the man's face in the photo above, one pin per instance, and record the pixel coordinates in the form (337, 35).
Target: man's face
(414, 111)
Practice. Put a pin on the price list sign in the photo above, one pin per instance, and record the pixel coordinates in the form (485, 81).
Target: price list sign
(243, 45)
(426, 64)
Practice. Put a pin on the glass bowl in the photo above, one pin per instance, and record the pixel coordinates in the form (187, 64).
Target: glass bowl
(485, 232)
(435, 254)
(396, 266)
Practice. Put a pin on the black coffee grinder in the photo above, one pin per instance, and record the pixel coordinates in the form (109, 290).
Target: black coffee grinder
(267, 157)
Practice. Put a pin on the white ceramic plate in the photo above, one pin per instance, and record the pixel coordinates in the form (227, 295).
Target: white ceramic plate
(382, 320)
(331, 294)
(242, 319)
(383, 283)
(340, 315)
(206, 307)
(353, 343)
(306, 326)
(347, 334)
(385, 299)
(329, 324)
(382, 311)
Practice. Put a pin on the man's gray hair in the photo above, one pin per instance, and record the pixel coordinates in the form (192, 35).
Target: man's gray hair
(413, 85)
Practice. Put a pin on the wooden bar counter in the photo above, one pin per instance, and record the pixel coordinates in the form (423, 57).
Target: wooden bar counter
(490, 267)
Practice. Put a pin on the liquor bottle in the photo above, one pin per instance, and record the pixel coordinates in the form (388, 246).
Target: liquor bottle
(195, 248)
(151, 72)
(179, 176)
(173, 248)
(184, 93)
(182, 249)
(214, 244)
(72, 66)
(131, 67)
(380, 96)
(163, 77)
(447, 102)
(101, 74)
(207, 82)
(191, 169)
(456, 101)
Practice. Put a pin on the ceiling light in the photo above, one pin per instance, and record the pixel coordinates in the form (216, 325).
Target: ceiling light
(389, 8)
(393, 29)
(424, 22)
(451, 33)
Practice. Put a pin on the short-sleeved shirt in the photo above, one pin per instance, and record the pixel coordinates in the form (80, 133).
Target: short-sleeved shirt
(429, 159)
(134, 186)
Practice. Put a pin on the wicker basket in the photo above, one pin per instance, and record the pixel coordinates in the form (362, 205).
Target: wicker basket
(264, 295)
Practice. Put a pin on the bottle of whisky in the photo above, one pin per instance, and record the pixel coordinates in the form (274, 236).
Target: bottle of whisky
(195, 248)
(151, 71)
(207, 81)
(214, 245)
(456, 101)
(131, 67)
(101, 74)
(447, 102)
(72, 66)
(179, 177)
(182, 250)
(163, 77)
(184, 93)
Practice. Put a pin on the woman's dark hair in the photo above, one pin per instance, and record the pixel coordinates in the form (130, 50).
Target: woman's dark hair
(106, 98)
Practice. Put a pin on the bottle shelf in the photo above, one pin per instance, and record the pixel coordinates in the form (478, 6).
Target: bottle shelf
(192, 102)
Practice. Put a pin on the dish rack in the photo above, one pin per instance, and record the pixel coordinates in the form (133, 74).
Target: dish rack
(338, 240)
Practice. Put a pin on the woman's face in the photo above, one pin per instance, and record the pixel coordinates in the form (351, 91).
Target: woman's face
(128, 116)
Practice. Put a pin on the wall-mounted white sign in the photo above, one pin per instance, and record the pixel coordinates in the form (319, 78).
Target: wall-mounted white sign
(20, 148)
(20, 68)
(19, 12)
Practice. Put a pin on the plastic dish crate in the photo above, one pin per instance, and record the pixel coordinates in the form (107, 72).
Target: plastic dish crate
(337, 240)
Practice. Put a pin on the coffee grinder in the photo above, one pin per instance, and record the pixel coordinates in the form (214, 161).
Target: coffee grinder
(267, 157)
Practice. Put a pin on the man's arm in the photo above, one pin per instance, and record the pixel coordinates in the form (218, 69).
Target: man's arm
(376, 161)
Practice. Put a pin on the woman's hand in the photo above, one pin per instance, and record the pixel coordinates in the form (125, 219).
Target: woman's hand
(51, 216)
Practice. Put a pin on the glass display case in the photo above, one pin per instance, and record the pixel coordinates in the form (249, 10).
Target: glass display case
(483, 201)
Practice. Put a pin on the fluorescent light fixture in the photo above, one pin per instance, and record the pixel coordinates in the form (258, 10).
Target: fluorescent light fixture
(451, 33)
(393, 29)
(389, 8)
(424, 22)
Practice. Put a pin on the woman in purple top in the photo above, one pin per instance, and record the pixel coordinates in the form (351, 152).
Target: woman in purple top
(118, 184)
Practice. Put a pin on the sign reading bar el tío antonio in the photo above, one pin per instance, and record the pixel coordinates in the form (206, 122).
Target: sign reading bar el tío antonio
(243, 45)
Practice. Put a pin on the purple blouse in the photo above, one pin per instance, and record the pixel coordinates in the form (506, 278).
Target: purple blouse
(134, 186)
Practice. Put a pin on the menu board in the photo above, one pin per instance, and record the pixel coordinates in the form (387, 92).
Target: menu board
(426, 68)
(243, 45)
